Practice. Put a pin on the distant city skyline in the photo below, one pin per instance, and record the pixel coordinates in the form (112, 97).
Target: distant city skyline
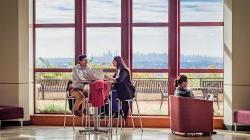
(134, 53)
(139, 61)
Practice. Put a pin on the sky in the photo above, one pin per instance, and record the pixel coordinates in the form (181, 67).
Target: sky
(207, 41)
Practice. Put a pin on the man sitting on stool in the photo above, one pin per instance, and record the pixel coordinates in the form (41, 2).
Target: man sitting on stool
(79, 89)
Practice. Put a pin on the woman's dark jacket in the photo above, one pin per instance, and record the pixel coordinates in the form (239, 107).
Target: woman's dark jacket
(123, 85)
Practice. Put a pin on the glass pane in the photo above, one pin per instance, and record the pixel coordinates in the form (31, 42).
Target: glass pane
(102, 45)
(202, 47)
(150, 48)
(213, 82)
(149, 95)
(150, 10)
(202, 10)
(50, 91)
(55, 11)
(55, 48)
(103, 11)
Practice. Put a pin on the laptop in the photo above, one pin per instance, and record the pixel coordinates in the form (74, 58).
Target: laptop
(95, 74)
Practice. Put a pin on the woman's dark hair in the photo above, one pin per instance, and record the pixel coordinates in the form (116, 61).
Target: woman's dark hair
(81, 57)
(180, 79)
(121, 64)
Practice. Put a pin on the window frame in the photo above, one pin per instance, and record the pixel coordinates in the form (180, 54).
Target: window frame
(126, 26)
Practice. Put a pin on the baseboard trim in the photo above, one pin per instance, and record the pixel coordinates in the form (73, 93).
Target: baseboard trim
(239, 127)
(148, 121)
(5, 123)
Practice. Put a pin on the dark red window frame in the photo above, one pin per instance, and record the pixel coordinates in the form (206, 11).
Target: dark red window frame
(126, 26)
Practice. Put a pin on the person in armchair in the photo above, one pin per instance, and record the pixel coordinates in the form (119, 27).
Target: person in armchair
(181, 84)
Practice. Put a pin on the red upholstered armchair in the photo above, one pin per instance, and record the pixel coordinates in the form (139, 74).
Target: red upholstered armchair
(189, 115)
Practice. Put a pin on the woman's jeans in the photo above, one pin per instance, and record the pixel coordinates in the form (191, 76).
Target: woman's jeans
(115, 107)
(114, 101)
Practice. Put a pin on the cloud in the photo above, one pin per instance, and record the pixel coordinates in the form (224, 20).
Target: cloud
(194, 40)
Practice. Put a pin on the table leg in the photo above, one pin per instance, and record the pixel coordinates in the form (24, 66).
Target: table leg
(96, 124)
(96, 120)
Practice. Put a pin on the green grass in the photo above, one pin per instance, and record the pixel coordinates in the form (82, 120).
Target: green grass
(53, 108)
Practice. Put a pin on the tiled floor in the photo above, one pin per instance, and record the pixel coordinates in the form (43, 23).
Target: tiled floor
(60, 133)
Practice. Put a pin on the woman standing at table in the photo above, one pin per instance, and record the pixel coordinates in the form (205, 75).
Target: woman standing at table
(123, 87)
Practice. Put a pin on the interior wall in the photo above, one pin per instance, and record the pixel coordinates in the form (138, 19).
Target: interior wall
(16, 76)
(236, 57)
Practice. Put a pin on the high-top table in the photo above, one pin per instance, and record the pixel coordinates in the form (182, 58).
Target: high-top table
(96, 128)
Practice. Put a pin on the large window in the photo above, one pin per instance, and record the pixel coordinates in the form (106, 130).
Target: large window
(201, 47)
(202, 10)
(153, 41)
(139, 31)
(55, 47)
(55, 11)
(201, 34)
(150, 54)
(103, 11)
(150, 34)
(103, 44)
(149, 11)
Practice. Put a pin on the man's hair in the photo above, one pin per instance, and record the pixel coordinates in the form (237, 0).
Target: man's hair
(81, 57)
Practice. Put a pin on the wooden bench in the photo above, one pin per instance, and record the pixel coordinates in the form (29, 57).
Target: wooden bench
(51, 85)
(142, 86)
(152, 86)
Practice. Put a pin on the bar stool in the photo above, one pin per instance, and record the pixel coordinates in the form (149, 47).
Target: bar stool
(104, 111)
(130, 102)
(69, 98)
